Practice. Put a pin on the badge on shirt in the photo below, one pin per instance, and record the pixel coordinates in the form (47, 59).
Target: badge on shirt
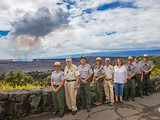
(148, 64)
(132, 66)
(85, 67)
(76, 69)
(71, 70)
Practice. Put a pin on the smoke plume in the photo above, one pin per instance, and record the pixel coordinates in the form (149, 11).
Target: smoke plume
(28, 30)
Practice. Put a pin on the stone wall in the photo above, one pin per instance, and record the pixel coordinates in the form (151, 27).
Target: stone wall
(19, 103)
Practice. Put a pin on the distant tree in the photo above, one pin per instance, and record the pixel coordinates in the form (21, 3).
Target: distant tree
(2, 76)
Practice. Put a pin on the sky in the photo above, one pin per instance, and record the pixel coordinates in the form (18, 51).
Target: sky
(42, 29)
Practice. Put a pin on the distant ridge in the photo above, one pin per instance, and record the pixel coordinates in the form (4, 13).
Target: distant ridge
(155, 52)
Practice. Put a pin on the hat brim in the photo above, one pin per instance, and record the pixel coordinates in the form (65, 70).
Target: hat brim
(82, 58)
(99, 60)
(56, 65)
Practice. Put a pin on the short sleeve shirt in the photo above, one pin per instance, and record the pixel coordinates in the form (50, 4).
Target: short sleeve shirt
(138, 67)
(108, 71)
(146, 65)
(85, 70)
(98, 71)
(71, 72)
(130, 69)
(57, 77)
(120, 74)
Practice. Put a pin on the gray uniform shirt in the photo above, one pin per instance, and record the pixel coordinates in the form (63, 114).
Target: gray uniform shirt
(146, 65)
(130, 69)
(85, 71)
(98, 71)
(57, 77)
(138, 67)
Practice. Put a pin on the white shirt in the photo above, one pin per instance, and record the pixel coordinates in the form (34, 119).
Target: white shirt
(120, 74)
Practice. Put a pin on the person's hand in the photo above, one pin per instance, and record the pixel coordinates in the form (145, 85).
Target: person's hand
(84, 81)
(93, 82)
(76, 87)
(55, 90)
(145, 72)
(112, 82)
(97, 79)
(129, 78)
(141, 78)
(125, 80)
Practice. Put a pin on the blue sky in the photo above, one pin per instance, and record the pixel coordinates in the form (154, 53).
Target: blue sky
(95, 26)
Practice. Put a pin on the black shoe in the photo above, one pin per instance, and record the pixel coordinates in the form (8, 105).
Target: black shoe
(127, 99)
(61, 115)
(147, 94)
(141, 96)
(82, 107)
(133, 99)
(88, 109)
(74, 112)
(55, 112)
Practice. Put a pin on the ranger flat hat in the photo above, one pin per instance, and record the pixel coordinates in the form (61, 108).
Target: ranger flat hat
(130, 58)
(68, 59)
(145, 55)
(107, 59)
(83, 57)
(99, 58)
(136, 57)
(57, 64)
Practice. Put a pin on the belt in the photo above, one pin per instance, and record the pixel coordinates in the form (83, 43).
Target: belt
(138, 74)
(56, 85)
(108, 79)
(70, 80)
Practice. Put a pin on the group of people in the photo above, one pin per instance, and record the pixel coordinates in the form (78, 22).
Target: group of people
(114, 80)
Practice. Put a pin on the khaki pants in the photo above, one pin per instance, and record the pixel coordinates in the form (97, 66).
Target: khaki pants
(108, 87)
(70, 94)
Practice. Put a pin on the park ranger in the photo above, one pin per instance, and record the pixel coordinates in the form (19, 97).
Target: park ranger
(147, 67)
(108, 82)
(131, 79)
(71, 74)
(85, 76)
(98, 81)
(58, 94)
(139, 75)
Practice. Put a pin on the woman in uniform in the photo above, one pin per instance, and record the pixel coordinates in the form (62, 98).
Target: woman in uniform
(58, 94)
(98, 81)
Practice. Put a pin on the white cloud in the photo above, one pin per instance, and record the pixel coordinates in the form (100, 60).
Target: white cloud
(135, 28)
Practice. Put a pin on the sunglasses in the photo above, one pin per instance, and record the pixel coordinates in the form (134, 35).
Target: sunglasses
(129, 68)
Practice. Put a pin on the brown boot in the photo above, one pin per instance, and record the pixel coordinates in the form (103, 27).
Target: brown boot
(121, 100)
(99, 103)
(95, 102)
(116, 99)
